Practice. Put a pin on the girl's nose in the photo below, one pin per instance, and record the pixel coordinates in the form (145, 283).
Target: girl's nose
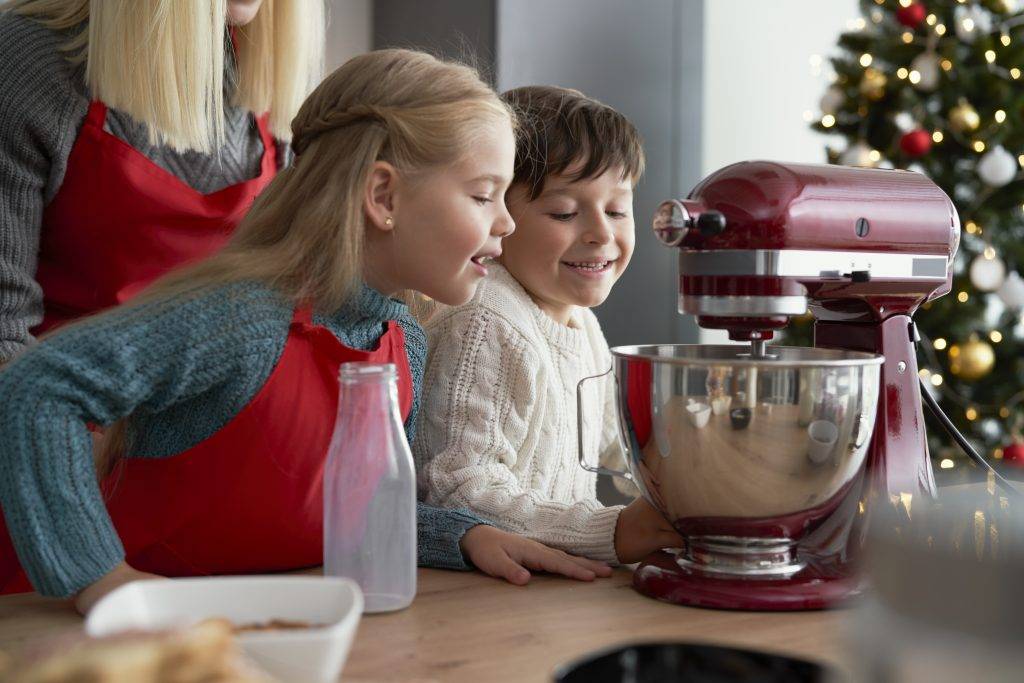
(504, 225)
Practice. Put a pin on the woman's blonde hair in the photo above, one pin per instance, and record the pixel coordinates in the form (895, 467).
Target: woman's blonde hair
(162, 61)
(304, 235)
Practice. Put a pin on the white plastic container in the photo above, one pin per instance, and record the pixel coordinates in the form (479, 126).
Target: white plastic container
(314, 655)
(370, 490)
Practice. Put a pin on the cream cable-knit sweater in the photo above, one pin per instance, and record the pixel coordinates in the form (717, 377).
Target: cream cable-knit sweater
(497, 428)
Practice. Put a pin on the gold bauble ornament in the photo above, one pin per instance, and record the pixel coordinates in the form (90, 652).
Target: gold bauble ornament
(964, 118)
(872, 85)
(971, 360)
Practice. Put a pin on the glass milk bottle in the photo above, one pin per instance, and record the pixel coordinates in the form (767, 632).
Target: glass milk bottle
(370, 490)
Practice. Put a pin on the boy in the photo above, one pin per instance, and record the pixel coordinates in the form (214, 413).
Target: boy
(497, 431)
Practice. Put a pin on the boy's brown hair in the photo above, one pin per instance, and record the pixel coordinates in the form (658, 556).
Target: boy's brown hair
(561, 128)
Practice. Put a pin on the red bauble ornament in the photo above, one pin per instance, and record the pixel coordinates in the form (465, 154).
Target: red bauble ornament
(911, 16)
(1013, 455)
(916, 143)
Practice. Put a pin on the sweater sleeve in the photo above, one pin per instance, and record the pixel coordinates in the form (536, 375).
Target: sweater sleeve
(140, 358)
(480, 400)
(40, 114)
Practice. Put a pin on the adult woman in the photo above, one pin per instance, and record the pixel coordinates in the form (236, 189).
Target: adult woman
(133, 137)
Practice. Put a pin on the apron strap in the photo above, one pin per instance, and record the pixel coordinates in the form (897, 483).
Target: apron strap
(303, 315)
(97, 114)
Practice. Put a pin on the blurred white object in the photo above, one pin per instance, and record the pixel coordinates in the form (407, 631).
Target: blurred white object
(946, 603)
(313, 655)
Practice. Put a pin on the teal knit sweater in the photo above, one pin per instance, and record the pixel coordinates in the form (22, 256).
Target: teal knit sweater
(184, 367)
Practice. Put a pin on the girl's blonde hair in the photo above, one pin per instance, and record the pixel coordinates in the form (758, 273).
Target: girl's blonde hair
(162, 61)
(304, 235)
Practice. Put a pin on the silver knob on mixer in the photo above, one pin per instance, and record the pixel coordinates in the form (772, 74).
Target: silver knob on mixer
(671, 221)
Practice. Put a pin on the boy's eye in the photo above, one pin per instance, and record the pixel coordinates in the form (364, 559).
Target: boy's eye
(482, 200)
(563, 216)
(617, 214)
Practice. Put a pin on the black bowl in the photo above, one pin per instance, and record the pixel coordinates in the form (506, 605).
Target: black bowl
(690, 663)
(740, 418)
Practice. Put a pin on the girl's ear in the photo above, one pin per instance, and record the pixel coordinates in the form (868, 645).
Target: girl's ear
(379, 195)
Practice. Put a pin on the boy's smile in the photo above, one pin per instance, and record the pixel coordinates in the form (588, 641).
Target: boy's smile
(572, 242)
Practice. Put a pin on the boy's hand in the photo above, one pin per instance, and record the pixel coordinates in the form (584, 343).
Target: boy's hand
(641, 530)
(510, 557)
(118, 576)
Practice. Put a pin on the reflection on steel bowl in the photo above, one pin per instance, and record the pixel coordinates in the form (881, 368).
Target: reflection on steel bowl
(745, 484)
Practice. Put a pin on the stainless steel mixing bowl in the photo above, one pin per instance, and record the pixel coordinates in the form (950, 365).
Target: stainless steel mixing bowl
(745, 455)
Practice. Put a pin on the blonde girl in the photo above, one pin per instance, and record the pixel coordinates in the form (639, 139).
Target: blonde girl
(221, 382)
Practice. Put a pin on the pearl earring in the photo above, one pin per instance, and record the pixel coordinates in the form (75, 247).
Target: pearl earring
(388, 221)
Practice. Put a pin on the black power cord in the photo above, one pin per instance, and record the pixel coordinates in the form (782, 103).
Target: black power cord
(965, 446)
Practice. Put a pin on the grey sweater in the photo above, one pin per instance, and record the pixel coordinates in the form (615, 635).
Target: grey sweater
(43, 102)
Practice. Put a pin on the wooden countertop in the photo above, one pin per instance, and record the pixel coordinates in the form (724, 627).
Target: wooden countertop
(464, 626)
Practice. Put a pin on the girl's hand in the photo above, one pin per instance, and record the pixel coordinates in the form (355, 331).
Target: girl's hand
(641, 530)
(510, 557)
(119, 576)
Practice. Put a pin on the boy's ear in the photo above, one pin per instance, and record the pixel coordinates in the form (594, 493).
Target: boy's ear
(379, 195)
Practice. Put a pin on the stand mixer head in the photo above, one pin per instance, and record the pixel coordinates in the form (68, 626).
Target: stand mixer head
(823, 428)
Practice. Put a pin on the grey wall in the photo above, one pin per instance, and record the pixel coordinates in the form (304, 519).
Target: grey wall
(644, 59)
(456, 29)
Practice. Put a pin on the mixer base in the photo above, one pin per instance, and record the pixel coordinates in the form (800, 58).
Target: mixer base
(661, 577)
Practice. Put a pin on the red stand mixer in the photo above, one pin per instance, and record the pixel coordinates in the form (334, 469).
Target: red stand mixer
(768, 459)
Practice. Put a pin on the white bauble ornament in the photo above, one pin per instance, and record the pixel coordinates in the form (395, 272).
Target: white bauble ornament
(832, 100)
(997, 167)
(971, 21)
(905, 122)
(1011, 292)
(927, 65)
(857, 154)
(987, 274)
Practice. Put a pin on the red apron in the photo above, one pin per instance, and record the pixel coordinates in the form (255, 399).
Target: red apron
(250, 497)
(119, 221)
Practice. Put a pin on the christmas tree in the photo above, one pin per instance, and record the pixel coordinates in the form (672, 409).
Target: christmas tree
(937, 87)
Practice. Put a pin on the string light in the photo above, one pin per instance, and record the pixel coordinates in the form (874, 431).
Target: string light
(828, 120)
(908, 37)
(998, 454)
(996, 336)
(923, 373)
(946, 65)
(972, 227)
(968, 24)
(1020, 160)
(1000, 116)
(990, 56)
(906, 3)
(962, 297)
(1004, 412)
(875, 155)
(946, 464)
(937, 136)
(914, 77)
(939, 344)
(1005, 40)
(936, 380)
(931, 19)
(989, 253)
(902, 73)
(865, 60)
(941, 29)
(971, 413)
(979, 146)
(1014, 73)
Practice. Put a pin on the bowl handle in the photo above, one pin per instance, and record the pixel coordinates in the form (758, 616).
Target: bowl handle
(579, 431)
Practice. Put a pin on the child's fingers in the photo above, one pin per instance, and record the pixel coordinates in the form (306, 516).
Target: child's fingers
(503, 566)
(599, 568)
(555, 562)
